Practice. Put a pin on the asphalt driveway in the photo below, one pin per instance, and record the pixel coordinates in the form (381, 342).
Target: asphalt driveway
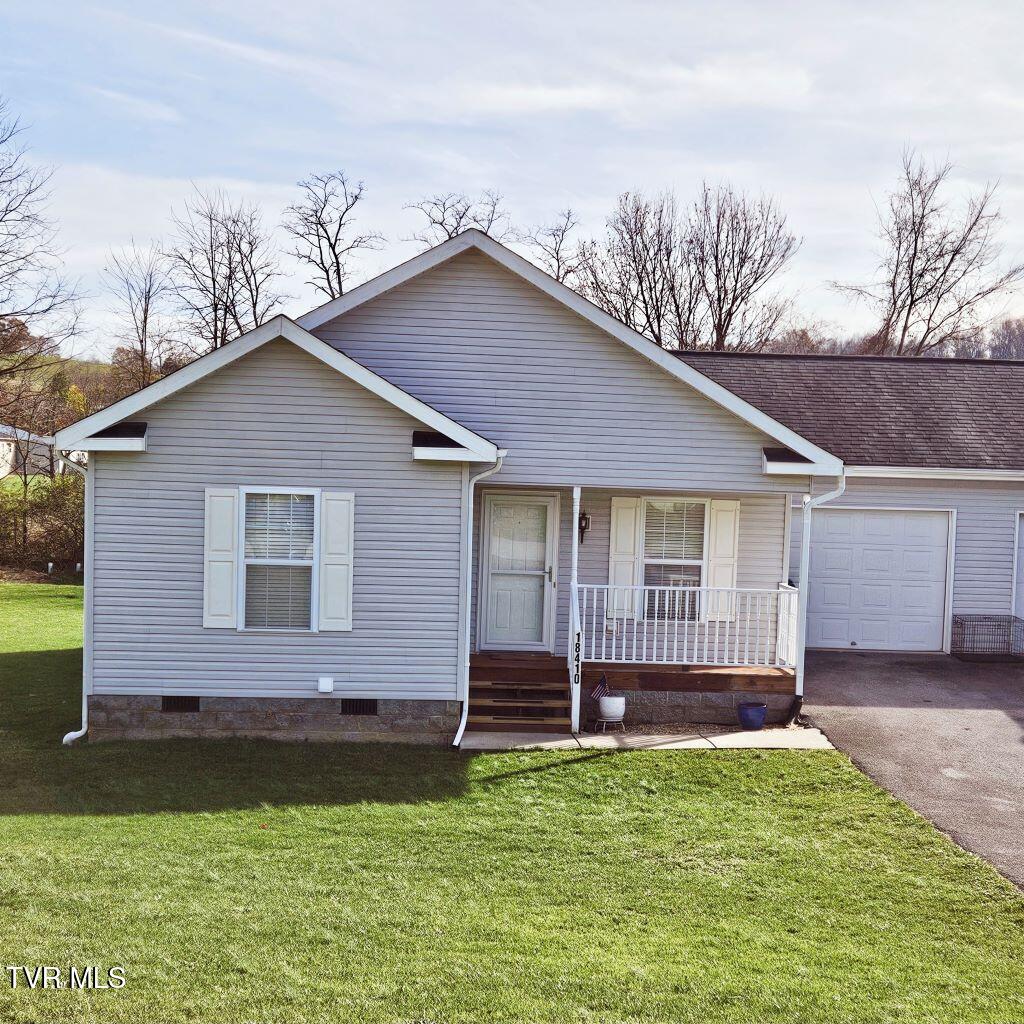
(946, 736)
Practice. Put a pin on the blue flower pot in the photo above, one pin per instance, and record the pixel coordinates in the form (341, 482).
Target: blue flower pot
(752, 714)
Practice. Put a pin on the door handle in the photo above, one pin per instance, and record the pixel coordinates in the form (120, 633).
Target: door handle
(551, 575)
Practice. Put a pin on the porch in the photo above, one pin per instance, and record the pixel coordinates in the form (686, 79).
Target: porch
(577, 583)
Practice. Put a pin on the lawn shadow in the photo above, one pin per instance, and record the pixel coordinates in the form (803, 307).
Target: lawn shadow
(185, 775)
(40, 700)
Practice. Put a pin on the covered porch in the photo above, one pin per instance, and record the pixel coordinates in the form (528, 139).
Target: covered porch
(681, 600)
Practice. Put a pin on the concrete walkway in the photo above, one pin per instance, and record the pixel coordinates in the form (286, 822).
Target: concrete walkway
(944, 735)
(699, 739)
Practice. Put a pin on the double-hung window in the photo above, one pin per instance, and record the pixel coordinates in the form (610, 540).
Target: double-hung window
(674, 555)
(280, 544)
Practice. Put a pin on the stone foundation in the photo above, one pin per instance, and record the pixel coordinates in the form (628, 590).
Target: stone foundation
(132, 717)
(651, 707)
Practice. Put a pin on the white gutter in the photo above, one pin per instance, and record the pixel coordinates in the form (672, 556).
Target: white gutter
(90, 483)
(807, 505)
(467, 596)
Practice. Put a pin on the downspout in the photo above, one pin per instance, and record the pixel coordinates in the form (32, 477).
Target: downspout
(807, 506)
(77, 734)
(467, 597)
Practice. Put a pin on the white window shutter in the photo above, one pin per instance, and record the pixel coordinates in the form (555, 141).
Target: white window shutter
(220, 558)
(337, 521)
(723, 557)
(624, 556)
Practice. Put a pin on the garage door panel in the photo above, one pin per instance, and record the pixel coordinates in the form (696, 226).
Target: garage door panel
(877, 579)
(875, 560)
(830, 631)
(920, 599)
(922, 563)
(835, 596)
(876, 597)
(832, 561)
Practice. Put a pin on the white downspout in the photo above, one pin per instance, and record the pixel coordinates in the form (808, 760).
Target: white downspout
(77, 734)
(807, 506)
(467, 596)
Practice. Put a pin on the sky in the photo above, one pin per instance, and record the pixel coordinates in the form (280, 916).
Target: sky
(553, 104)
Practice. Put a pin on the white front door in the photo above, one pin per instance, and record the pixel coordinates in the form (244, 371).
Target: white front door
(878, 579)
(519, 560)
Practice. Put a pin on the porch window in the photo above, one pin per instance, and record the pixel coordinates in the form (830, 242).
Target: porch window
(280, 531)
(674, 555)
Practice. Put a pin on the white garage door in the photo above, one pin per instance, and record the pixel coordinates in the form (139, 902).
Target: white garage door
(877, 579)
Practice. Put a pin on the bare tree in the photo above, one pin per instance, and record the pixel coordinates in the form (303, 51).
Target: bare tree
(224, 269)
(321, 224)
(554, 248)
(139, 282)
(1006, 339)
(33, 290)
(737, 246)
(938, 268)
(449, 214)
(695, 280)
(639, 272)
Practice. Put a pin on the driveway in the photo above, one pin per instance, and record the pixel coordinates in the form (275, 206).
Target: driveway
(946, 736)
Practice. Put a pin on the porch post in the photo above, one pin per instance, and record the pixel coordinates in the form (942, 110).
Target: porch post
(575, 640)
(574, 573)
(807, 506)
(801, 596)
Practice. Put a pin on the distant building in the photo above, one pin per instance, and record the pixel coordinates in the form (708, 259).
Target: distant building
(18, 447)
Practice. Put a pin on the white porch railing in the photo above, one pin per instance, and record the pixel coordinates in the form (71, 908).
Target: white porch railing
(687, 625)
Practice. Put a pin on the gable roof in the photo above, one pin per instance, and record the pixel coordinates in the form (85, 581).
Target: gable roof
(278, 328)
(876, 411)
(821, 460)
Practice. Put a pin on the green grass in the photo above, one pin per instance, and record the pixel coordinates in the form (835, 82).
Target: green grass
(248, 881)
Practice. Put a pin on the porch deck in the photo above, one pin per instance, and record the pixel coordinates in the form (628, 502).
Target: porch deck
(513, 690)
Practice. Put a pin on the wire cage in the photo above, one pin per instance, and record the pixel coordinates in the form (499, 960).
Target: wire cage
(989, 637)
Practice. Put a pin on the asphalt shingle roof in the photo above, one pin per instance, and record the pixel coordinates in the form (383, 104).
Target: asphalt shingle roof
(875, 411)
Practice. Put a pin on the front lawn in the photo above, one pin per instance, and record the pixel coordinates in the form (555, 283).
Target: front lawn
(248, 881)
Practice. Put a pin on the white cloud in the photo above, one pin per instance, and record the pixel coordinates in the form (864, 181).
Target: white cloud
(136, 106)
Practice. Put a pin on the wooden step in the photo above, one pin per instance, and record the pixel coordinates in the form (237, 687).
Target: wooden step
(539, 659)
(526, 685)
(517, 723)
(517, 702)
(516, 673)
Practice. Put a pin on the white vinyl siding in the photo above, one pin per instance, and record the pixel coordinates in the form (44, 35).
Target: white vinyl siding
(569, 402)
(277, 419)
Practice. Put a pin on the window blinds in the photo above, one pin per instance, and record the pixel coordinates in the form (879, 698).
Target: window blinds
(674, 530)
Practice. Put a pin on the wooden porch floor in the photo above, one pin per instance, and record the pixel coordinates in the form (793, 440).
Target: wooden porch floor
(512, 690)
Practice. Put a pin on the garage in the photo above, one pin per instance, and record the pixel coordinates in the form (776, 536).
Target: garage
(878, 579)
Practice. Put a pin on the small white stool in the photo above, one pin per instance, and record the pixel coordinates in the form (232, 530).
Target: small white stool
(602, 724)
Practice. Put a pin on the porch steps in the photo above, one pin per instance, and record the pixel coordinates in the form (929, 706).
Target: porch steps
(512, 690)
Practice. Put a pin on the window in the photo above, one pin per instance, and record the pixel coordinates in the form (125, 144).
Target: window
(673, 555)
(278, 566)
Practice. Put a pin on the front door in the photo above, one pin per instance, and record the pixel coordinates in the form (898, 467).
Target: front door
(519, 560)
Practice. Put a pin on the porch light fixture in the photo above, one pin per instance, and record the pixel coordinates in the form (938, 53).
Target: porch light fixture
(584, 524)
